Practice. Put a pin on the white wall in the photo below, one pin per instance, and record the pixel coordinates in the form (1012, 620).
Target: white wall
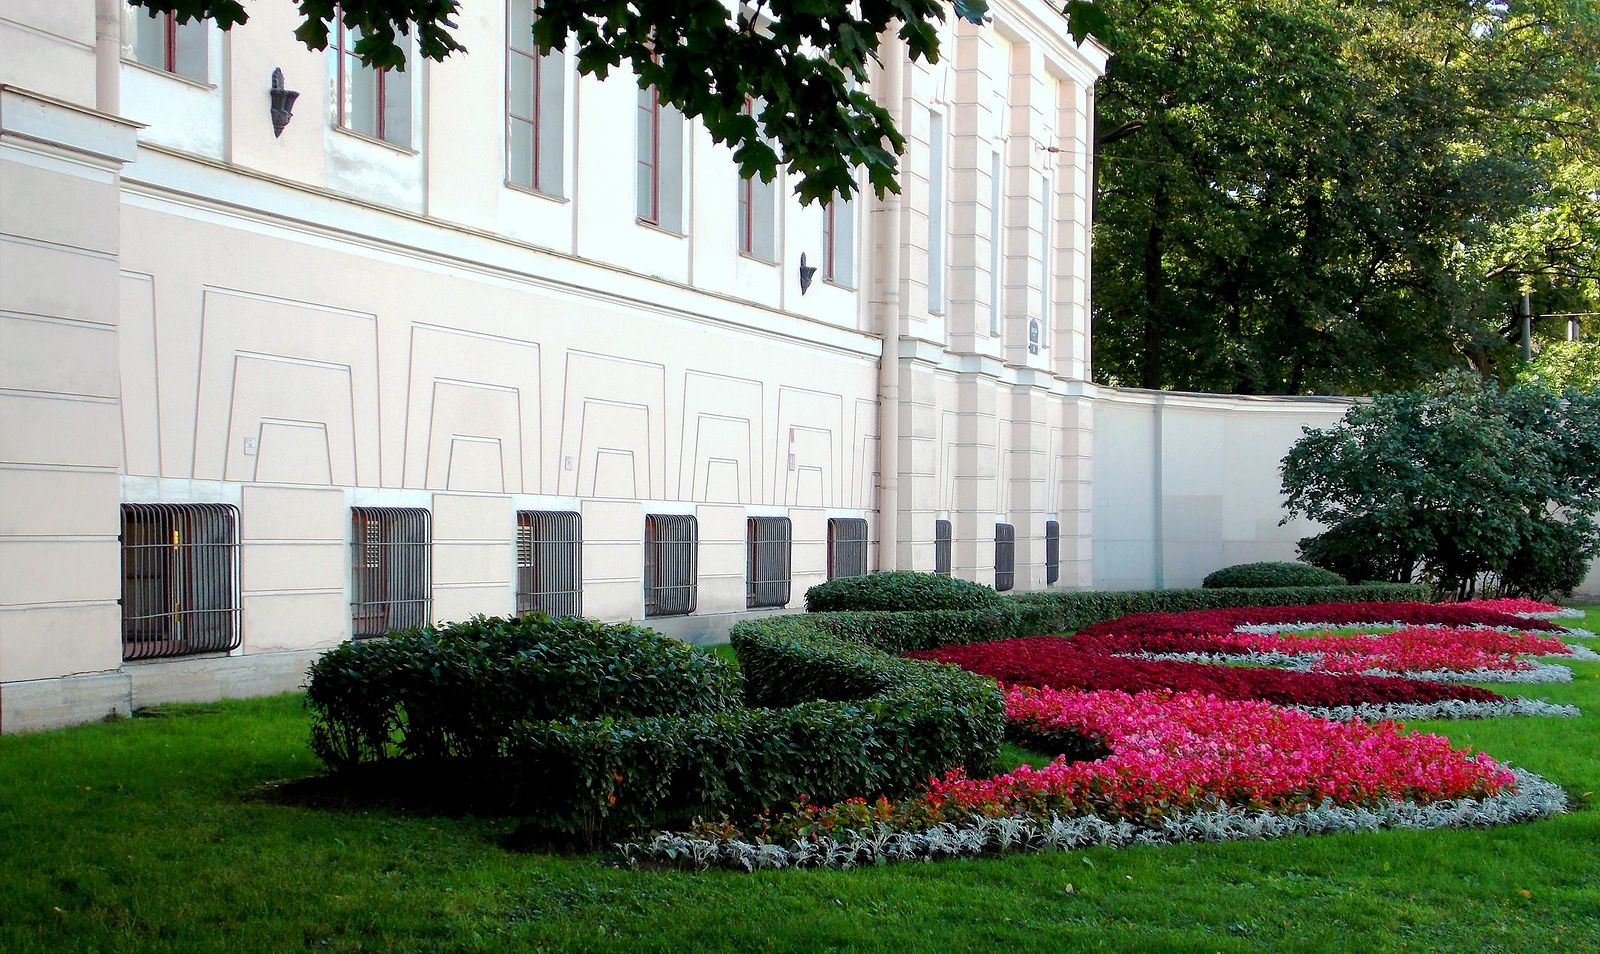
(1188, 483)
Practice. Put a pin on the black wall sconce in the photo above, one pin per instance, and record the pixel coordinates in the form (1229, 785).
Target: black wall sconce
(807, 272)
(282, 104)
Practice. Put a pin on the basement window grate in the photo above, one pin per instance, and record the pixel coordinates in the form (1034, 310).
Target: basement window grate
(549, 562)
(180, 580)
(1005, 557)
(1052, 551)
(671, 564)
(392, 570)
(847, 547)
(942, 537)
(767, 558)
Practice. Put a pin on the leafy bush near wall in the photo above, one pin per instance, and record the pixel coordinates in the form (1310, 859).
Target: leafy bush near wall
(1272, 573)
(453, 691)
(1066, 612)
(899, 591)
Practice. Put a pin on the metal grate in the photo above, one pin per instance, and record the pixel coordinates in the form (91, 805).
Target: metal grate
(847, 547)
(392, 569)
(941, 547)
(180, 579)
(766, 568)
(671, 564)
(549, 562)
(1005, 556)
(1052, 551)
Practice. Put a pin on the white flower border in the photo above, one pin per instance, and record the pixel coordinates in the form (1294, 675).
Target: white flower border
(1535, 797)
(1443, 709)
(1541, 673)
(1267, 629)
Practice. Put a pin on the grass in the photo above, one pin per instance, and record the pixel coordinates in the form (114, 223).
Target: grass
(149, 834)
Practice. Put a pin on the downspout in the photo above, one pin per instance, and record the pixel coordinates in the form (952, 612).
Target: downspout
(893, 79)
(108, 55)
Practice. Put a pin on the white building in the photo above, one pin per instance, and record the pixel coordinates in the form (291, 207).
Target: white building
(487, 335)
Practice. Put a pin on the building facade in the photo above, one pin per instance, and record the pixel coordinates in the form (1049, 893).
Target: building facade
(486, 336)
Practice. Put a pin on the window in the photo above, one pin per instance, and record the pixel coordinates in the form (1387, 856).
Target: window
(671, 564)
(535, 100)
(757, 225)
(766, 573)
(847, 547)
(1052, 551)
(936, 226)
(997, 239)
(839, 242)
(1005, 556)
(941, 547)
(160, 41)
(180, 579)
(1049, 260)
(370, 101)
(391, 585)
(549, 563)
(660, 168)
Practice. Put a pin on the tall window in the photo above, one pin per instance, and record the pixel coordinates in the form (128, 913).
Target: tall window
(997, 238)
(767, 557)
(936, 223)
(1045, 290)
(160, 41)
(535, 99)
(847, 547)
(1052, 551)
(549, 562)
(671, 564)
(180, 579)
(660, 163)
(1005, 556)
(370, 101)
(757, 211)
(839, 242)
(391, 561)
(942, 538)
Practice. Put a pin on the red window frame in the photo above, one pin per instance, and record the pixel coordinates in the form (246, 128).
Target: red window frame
(652, 106)
(830, 238)
(538, 100)
(345, 68)
(747, 202)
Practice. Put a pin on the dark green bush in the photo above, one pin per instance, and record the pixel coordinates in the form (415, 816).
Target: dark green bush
(899, 591)
(454, 691)
(1550, 564)
(1272, 574)
(1068, 611)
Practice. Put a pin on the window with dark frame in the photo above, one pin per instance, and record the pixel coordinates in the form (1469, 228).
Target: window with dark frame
(535, 105)
(158, 40)
(180, 580)
(391, 585)
(1052, 551)
(757, 218)
(549, 562)
(942, 539)
(372, 102)
(768, 546)
(671, 564)
(847, 547)
(1005, 557)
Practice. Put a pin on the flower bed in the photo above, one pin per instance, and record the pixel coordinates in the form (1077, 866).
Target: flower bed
(1528, 609)
(1182, 766)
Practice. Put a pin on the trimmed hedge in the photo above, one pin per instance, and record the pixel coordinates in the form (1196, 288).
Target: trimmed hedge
(454, 691)
(899, 591)
(1272, 574)
(1065, 612)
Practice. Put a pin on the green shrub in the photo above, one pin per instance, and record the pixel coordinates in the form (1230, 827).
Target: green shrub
(454, 691)
(899, 591)
(1065, 612)
(1272, 574)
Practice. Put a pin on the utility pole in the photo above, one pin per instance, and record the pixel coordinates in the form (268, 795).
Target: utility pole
(1527, 326)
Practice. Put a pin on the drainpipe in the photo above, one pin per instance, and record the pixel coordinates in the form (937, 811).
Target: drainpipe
(893, 79)
(108, 55)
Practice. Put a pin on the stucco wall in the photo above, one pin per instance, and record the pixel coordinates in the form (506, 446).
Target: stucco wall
(1187, 483)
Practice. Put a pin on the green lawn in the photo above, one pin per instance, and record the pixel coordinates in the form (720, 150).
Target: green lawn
(148, 835)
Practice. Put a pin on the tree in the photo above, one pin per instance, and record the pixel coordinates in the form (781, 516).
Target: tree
(803, 61)
(1459, 485)
(1566, 366)
(1317, 196)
